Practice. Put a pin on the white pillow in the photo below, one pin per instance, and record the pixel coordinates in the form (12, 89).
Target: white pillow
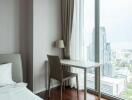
(6, 74)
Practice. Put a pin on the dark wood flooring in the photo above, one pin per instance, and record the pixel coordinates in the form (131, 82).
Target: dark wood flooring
(68, 94)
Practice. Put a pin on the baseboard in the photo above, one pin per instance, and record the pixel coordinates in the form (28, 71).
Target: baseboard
(44, 89)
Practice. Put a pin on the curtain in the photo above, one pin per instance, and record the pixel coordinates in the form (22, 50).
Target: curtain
(67, 23)
(77, 51)
(67, 8)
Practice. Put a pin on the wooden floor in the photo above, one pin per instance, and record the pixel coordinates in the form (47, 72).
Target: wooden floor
(68, 94)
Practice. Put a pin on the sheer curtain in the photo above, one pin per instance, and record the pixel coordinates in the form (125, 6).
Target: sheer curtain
(77, 48)
(83, 39)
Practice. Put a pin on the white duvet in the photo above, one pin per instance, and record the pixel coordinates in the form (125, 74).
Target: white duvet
(17, 91)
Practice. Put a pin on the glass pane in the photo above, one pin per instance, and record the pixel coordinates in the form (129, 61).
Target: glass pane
(89, 35)
(116, 47)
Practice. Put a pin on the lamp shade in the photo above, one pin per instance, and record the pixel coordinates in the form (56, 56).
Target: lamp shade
(59, 44)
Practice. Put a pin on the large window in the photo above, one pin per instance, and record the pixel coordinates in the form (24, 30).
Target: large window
(116, 47)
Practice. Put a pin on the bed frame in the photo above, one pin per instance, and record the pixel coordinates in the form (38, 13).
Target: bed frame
(15, 59)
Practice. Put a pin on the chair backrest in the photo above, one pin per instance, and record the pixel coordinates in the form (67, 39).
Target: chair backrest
(15, 59)
(55, 69)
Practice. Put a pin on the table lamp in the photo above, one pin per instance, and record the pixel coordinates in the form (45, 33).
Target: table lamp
(59, 44)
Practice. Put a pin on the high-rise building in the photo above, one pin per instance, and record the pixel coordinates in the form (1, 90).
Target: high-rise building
(105, 53)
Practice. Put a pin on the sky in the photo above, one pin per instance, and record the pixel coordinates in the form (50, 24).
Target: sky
(116, 17)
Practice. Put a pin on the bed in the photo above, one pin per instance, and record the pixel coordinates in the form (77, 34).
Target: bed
(18, 89)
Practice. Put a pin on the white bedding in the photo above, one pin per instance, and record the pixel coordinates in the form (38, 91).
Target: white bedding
(17, 91)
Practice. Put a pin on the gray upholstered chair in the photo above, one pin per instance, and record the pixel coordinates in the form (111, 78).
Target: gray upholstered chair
(56, 72)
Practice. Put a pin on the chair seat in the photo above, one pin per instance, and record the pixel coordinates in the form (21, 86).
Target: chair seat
(67, 75)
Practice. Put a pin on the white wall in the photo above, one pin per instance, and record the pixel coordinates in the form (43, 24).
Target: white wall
(46, 29)
(9, 26)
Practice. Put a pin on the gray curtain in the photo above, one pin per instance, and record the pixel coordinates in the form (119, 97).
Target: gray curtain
(67, 8)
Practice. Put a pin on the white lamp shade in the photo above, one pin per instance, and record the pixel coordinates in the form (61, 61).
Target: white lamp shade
(59, 44)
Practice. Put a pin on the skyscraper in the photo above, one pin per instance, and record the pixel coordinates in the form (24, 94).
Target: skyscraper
(105, 52)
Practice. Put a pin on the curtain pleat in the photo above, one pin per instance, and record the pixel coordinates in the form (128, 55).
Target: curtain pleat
(67, 23)
(77, 51)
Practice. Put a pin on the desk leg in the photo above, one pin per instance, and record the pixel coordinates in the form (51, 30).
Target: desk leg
(85, 84)
(99, 84)
(97, 81)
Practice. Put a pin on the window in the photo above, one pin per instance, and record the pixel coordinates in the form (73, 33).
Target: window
(115, 47)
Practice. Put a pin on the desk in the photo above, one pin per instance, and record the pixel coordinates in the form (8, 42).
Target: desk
(85, 66)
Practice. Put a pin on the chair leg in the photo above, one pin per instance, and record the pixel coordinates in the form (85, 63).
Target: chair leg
(49, 86)
(61, 90)
(77, 87)
(64, 84)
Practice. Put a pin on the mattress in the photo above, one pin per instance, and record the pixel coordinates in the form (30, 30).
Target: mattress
(17, 91)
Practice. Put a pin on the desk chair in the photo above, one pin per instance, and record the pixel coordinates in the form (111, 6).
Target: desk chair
(56, 72)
